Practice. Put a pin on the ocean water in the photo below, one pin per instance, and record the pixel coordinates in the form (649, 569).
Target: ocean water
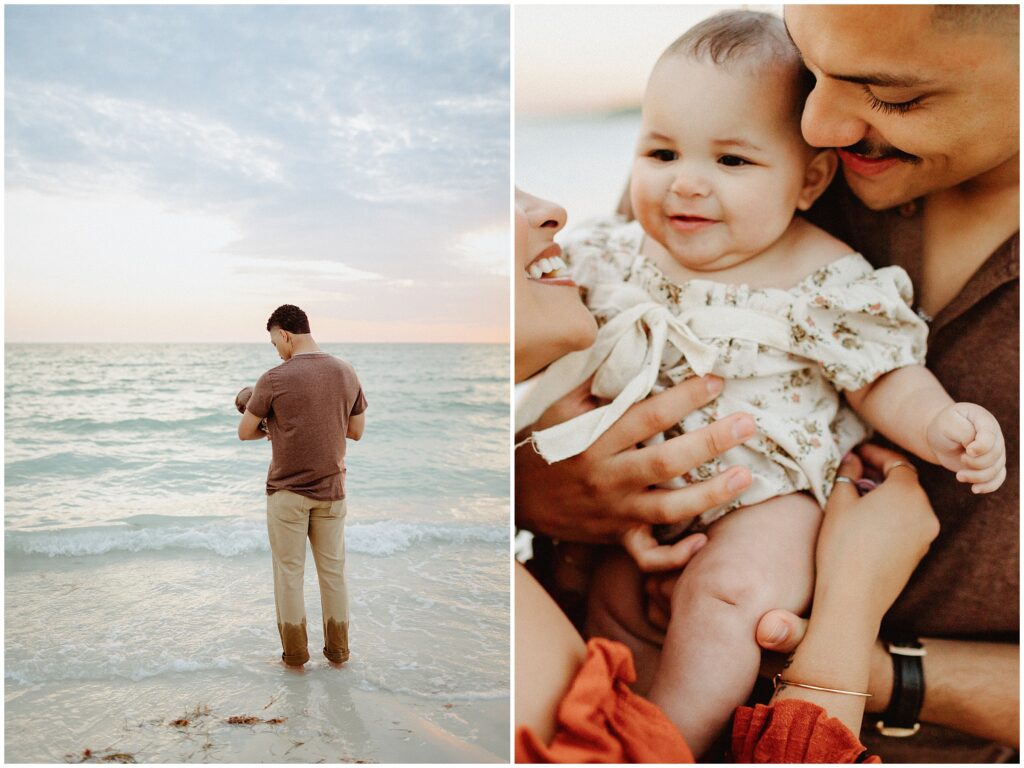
(581, 162)
(138, 574)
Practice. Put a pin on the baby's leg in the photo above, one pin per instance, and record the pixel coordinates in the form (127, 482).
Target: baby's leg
(757, 558)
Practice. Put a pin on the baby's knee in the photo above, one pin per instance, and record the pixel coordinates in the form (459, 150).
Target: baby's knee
(747, 589)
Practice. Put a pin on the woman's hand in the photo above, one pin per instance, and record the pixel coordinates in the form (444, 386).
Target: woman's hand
(597, 496)
(870, 545)
(895, 522)
(867, 549)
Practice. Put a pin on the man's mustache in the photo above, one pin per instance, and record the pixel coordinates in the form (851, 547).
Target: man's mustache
(875, 151)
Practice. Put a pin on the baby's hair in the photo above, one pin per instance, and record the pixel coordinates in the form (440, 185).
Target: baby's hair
(747, 37)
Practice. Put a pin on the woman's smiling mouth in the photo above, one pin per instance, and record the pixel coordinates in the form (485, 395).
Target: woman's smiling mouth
(547, 267)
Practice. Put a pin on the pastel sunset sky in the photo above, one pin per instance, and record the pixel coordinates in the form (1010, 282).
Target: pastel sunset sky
(174, 173)
(589, 59)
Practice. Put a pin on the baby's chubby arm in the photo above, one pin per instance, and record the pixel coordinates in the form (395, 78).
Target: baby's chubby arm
(910, 407)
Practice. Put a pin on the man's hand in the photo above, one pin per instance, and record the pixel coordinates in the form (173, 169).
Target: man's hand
(967, 440)
(249, 427)
(596, 496)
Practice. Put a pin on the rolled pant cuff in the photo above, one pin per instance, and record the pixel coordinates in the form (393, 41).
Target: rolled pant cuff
(296, 659)
(338, 657)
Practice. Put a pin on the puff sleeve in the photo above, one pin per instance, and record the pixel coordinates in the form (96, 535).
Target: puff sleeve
(858, 325)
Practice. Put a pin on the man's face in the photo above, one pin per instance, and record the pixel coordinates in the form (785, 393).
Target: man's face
(282, 341)
(914, 106)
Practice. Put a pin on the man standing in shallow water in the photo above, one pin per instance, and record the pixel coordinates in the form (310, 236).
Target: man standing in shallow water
(315, 402)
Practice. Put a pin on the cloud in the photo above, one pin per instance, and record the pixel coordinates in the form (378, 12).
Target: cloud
(353, 148)
(96, 128)
(312, 269)
(485, 249)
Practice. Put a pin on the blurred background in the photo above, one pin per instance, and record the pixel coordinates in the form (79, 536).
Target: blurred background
(580, 73)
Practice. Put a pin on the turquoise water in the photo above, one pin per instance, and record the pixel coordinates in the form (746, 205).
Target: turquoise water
(133, 512)
(98, 432)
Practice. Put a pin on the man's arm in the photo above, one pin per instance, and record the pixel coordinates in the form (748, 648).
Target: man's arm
(972, 687)
(969, 686)
(249, 427)
(356, 424)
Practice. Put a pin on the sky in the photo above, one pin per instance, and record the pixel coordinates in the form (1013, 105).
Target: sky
(580, 74)
(174, 173)
(575, 60)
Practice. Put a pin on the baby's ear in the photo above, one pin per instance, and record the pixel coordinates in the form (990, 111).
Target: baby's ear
(817, 177)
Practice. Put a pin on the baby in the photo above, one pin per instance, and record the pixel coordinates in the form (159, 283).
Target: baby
(717, 275)
(242, 399)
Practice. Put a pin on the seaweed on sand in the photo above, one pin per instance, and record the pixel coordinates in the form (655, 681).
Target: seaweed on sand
(253, 720)
(103, 756)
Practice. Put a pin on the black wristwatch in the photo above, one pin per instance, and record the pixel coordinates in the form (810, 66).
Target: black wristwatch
(900, 720)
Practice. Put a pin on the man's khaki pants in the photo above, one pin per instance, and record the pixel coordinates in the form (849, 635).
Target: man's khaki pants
(292, 518)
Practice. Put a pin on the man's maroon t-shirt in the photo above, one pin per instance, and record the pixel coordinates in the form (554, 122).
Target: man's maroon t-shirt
(312, 396)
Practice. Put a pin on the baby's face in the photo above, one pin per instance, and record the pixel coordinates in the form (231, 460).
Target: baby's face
(720, 163)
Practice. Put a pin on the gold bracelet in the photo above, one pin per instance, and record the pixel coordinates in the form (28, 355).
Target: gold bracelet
(779, 681)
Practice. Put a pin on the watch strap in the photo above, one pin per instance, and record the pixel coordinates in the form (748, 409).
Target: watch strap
(900, 719)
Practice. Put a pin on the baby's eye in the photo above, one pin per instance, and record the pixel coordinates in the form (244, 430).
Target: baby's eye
(733, 161)
(664, 155)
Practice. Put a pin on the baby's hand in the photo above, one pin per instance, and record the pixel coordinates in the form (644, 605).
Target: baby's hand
(967, 440)
(650, 556)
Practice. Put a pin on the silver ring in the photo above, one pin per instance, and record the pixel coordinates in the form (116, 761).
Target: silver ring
(845, 479)
(911, 467)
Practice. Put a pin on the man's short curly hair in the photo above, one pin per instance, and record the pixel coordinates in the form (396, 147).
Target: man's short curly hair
(289, 318)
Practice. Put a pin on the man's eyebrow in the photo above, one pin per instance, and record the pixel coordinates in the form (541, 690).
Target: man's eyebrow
(883, 80)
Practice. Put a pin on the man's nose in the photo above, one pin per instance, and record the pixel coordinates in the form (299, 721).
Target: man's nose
(690, 181)
(829, 121)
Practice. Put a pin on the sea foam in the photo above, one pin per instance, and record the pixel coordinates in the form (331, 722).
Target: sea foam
(232, 537)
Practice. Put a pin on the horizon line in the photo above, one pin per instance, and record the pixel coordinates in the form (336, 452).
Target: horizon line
(200, 343)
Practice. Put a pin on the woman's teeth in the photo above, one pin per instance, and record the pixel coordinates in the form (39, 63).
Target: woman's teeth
(545, 267)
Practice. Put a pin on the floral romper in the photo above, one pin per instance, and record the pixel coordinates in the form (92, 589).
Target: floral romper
(782, 353)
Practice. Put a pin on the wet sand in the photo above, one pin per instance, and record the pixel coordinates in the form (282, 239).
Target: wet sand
(286, 717)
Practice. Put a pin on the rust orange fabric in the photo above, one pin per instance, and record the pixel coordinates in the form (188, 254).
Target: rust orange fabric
(601, 720)
(793, 731)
